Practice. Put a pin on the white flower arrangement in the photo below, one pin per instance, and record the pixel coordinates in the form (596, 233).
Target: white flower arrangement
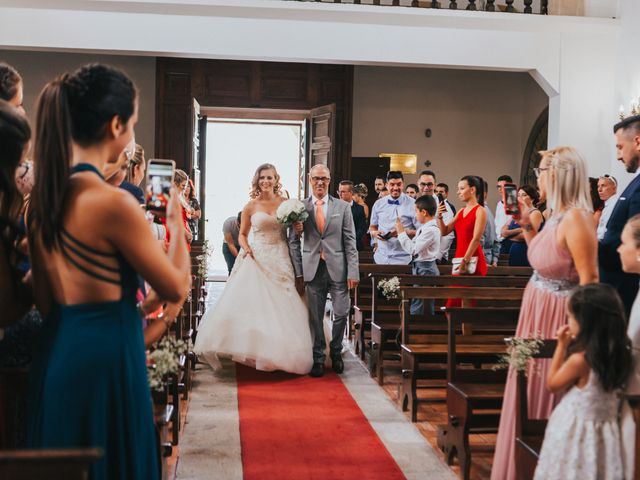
(203, 259)
(165, 360)
(290, 211)
(390, 288)
(520, 351)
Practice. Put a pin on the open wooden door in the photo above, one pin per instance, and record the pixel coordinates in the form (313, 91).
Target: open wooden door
(198, 164)
(322, 129)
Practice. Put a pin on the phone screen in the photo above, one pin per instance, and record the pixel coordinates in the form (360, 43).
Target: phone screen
(159, 180)
(510, 199)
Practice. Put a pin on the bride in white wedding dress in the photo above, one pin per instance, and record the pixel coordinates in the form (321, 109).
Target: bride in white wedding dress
(260, 319)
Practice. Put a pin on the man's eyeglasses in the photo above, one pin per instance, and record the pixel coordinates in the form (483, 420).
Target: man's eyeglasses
(428, 184)
(320, 179)
(537, 171)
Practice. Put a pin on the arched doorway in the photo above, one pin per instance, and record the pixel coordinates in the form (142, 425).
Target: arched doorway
(538, 140)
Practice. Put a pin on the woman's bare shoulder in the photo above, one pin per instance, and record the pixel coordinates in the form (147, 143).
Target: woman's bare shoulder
(578, 216)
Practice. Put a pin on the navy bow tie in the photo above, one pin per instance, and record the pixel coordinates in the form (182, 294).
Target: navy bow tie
(393, 202)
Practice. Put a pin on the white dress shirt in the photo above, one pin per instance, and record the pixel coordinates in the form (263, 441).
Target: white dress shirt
(501, 219)
(425, 246)
(383, 215)
(606, 214)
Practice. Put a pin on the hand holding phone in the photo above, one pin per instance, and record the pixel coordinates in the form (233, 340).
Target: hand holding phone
(440, 199)
(159, 182)
(510, 199)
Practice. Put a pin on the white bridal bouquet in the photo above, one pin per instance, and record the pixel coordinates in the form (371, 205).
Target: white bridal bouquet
(390, 287)
(291, 211)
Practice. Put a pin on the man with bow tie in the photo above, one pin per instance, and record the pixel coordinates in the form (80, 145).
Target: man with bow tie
(383, 222)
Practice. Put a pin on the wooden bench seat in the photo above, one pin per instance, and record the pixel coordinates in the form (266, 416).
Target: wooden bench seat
(529, 432)
(474, 396)
(386, 329)
(48, 464)
(428, 365)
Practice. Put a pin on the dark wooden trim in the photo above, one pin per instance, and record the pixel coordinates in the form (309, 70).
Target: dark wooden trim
(247, 85)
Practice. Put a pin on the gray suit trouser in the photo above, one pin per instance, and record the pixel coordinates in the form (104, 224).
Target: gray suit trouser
(317, 290)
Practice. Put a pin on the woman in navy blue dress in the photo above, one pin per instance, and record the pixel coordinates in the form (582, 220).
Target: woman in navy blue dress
(529, 197)
(88, 239)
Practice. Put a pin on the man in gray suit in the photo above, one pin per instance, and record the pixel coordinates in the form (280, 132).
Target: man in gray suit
(328, 263)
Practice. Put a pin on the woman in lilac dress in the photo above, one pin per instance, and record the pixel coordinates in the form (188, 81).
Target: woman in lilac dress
(563, 255)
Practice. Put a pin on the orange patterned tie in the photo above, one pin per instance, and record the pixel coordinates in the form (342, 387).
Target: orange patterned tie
(320, 220)
(320, 215)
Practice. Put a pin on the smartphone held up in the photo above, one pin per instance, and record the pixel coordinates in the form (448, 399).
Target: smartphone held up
(159, 181)
(510, 199)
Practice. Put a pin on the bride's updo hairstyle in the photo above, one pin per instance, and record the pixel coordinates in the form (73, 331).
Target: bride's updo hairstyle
(77, 108)
(255, 188)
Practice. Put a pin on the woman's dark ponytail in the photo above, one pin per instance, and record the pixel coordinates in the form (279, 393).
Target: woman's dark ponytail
(75, 108)
(52, 154)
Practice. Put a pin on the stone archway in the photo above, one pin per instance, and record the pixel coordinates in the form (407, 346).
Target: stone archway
(538, 140)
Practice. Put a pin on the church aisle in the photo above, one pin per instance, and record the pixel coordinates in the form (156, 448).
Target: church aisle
(294, 427)
(348, 419)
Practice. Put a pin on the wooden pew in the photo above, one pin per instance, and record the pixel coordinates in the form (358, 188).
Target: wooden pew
(386, 324)
(361, 302)
(474, 396)
(529, 432)
(422, 354)
(48, 464)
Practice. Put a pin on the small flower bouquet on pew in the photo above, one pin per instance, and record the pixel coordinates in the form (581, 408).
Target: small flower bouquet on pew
(203, 259)
(164, 360)
(520, 351)
(390, 288)
(291, 211)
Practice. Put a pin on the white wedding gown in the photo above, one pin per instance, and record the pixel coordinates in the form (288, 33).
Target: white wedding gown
(260, 319)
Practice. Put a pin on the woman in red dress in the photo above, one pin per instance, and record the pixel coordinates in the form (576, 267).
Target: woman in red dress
(469, 225)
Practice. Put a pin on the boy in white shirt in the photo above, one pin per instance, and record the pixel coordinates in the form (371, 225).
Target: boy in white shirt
(424, 248)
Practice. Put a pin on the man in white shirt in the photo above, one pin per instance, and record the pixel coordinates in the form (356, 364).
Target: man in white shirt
(607, 191)
(383, 222)
(501, 218)
(427, 184)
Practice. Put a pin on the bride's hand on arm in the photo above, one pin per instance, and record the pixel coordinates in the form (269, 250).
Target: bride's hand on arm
(245, 227)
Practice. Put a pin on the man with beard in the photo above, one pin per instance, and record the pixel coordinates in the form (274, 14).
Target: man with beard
(627, 134)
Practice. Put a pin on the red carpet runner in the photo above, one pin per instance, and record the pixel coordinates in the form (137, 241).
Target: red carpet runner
(299, 428)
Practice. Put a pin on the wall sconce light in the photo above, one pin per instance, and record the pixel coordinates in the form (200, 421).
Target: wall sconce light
(405, 162)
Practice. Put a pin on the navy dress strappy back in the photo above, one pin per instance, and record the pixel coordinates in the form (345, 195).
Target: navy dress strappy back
(90, 388)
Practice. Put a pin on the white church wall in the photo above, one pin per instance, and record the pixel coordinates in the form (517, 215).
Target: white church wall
(570, 57)
(627, 86)
(37, 68)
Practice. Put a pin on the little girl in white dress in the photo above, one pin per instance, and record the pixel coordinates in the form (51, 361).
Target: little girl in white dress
(582, 439)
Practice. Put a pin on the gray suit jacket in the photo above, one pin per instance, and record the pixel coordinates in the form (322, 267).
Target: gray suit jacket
(338, 242)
